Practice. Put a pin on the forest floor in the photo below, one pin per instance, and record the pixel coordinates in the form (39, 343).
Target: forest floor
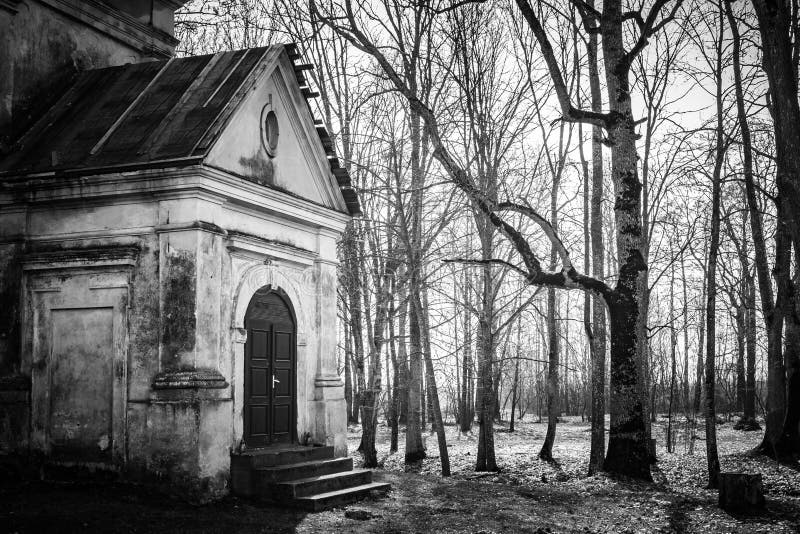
(527, 495)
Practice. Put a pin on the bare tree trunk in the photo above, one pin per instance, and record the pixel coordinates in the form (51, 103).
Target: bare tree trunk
(348, 373)
(395, 392)
(402, 357)
(749, 419)
(598, 338)
(673, 336)
(711, 279)
(740, 351)
(698, 384)
(628, 451)
(515, 385)
(546, 452)
(423, 409)
(353, 278)
(466, 410)
(686, 374)
(484, 394)
(775, 18)
(415, 449)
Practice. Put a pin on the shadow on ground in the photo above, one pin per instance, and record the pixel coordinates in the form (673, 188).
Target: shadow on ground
(42, 507)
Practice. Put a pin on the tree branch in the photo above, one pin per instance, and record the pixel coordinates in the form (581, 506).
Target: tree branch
(490, 261)
(569, 112)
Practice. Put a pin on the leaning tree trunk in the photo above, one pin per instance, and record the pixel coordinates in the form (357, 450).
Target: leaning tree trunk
(756, 229)
(433, 392)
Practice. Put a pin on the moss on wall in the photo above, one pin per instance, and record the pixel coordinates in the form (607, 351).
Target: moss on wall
(10, 287)
(179, 318)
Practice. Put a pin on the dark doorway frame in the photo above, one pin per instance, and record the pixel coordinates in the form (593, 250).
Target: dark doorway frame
(248, 438)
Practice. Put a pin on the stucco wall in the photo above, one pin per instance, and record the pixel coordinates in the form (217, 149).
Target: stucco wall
(177, 261)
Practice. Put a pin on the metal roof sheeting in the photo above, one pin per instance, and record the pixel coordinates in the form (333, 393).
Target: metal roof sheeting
(148, 114)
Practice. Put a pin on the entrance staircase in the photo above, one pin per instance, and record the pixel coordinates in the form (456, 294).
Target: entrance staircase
(309, 478)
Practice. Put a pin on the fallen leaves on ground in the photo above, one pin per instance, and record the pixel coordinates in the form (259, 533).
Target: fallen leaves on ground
(677, 501)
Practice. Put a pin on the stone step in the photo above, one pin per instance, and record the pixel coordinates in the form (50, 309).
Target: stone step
(283, 473)
(323, 501)
(271, 456)
(321, 484)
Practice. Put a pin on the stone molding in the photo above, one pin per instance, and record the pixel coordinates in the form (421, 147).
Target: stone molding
(194, 225)
(15, 383)
(199, 378)
(294, 283)
(328, 381)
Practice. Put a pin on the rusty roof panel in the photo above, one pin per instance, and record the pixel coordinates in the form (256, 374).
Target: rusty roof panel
(149, 111)
(181, 132)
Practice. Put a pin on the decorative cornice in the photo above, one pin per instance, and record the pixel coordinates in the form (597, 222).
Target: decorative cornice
(149, 40)
(91, 257)
(263, 249)
(10, 6)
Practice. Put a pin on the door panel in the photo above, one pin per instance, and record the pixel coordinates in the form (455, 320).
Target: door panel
(258, 379)
(82, 383)
(281, 427)
(270, 399)
(260, 345)
(283, 346)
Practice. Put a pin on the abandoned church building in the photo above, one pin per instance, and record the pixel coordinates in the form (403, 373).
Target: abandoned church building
(168, 255)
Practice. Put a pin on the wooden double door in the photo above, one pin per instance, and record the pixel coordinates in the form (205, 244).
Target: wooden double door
(270, 411)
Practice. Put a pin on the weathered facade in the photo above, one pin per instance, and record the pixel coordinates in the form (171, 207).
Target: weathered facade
(168, 258)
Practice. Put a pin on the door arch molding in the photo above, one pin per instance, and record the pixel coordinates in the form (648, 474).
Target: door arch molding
(260, 275)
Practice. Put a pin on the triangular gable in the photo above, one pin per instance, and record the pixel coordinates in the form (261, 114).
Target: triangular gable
(298, 165)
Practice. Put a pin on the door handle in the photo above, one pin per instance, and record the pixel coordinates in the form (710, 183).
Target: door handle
(275, 381)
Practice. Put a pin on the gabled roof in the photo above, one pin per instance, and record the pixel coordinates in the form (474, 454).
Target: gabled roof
(151, 115)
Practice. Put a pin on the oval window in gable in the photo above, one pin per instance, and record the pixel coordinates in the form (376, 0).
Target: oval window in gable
(269, 131)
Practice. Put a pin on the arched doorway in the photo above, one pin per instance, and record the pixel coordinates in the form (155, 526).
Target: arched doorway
(270, 391)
